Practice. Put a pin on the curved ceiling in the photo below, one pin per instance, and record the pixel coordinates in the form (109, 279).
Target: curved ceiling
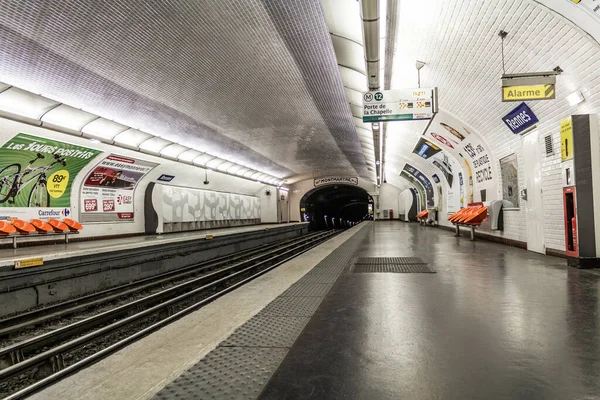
(275, 85)
(249, 82)
(458, 40)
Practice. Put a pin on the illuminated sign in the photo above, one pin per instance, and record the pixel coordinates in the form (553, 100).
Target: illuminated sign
(399, 105)
(425, 148)
(528, 92)
(566, 139)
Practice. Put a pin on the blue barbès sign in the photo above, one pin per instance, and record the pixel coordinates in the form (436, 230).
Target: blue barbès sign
(520, 119)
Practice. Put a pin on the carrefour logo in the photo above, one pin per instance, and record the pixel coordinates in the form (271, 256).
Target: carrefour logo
(53, 213)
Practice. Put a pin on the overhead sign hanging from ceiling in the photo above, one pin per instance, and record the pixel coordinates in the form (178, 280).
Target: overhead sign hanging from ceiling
(531, 86)
(520, 119)
(400, 105)
(336, 180)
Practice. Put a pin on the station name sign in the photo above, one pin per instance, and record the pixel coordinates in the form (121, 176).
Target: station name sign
(520, 119)
(529, 88)
(400, 105)
(340, 180)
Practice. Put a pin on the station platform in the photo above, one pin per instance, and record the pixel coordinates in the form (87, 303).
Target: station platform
(385, 310)
(96, 247)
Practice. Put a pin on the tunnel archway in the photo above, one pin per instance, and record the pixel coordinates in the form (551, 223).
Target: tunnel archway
(335, 206)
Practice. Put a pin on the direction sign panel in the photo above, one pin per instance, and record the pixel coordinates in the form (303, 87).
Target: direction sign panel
(528, 92)
(399, 105)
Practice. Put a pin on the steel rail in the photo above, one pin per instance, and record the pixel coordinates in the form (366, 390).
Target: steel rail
(43, 383)
(36, 317)
(60, 334)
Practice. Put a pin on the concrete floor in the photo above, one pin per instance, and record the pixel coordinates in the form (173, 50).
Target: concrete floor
(495, 322)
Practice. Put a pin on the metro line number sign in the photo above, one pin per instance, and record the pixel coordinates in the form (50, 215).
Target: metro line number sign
(399, 105)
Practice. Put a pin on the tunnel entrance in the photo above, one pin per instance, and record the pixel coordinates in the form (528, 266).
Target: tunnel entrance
(335, 206)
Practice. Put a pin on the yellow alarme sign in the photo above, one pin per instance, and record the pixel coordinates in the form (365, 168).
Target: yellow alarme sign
(57, 183)
(566, 139)
(528, 92)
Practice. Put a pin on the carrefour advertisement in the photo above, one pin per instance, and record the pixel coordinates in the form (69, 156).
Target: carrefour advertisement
(107, 192)
(36, 176)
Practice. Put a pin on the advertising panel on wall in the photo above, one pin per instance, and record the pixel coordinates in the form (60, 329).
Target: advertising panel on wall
(107, 192)
(36, 176)
(425, 148)
(446, 164)
(409, 169)
(468, 148)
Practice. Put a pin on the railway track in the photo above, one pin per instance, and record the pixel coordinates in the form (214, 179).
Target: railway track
(127, 313)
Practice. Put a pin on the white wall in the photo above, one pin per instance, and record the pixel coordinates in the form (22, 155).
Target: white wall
(388, 199)
(185, 175)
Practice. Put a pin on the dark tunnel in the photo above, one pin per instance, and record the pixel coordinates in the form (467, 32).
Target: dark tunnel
(336, 206)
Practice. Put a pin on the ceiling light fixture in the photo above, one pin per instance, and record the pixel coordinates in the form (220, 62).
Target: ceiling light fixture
(575, 98)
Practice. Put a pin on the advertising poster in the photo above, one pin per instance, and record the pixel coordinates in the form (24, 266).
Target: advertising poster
(426, 149)
(107, 191)
(36, 176)
(418, 175)
(470, 150)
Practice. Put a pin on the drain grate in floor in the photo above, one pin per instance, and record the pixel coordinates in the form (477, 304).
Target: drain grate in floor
(405, 265)
(394, 268)
(390, 260)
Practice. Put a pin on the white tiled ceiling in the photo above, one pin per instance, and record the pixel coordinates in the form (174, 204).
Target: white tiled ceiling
(458, 39)
(251, 81)
(275, 85)
(345, 26)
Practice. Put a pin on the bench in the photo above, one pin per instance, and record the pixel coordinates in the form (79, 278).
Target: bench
(15, 228)
(428, 216)
(471, 216)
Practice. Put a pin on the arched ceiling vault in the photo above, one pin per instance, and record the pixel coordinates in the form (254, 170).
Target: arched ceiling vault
(275, 86)
(458, 39)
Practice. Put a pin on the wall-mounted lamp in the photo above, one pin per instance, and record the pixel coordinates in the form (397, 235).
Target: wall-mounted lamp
(575, 98)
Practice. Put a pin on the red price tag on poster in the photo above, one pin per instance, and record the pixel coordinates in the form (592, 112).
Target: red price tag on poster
(90, 205)
(108, 205)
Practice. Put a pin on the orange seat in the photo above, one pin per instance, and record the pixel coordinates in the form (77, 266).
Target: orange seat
(6, 228)
(471, 211)
(423, 214)
(58, 226)
(478, 217)
(23, 227)
(458, 214)
(41, 226)
(73, 225)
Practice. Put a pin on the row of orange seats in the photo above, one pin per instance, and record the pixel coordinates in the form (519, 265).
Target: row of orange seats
(18, 226)
(471, 215)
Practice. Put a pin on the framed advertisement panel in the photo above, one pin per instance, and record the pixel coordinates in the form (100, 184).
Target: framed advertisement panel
(107, 191)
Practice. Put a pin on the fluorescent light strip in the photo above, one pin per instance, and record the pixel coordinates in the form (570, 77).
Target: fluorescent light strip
(15, 103)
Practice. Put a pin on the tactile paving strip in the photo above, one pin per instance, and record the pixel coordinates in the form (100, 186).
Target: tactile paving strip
(293, 306)
(226, 373)
(390, 260)
(308, 290)
(394, 268)
(267, 331)
(325, 277)
(242, 364)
